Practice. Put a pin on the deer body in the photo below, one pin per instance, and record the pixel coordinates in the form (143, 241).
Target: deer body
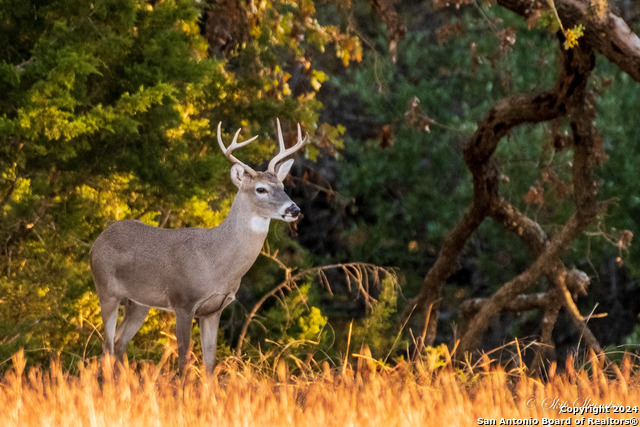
(194, 272)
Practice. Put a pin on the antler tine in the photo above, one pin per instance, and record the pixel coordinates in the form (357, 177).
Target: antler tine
(280, 138)
(234, 145)
(286, 152)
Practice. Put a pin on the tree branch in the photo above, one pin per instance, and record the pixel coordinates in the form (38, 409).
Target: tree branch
(360, 272)
(542, 266)
(562, 283)
(429, 295)
(578, 64)
(609, 34)
(519, 304)
(478, 154)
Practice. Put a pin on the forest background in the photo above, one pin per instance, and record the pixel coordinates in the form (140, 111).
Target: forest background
(108, 111)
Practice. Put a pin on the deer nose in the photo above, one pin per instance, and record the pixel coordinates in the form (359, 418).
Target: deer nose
(292, 210)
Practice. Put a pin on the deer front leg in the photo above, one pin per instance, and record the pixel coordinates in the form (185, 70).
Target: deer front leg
(209, 339)
(183, 336)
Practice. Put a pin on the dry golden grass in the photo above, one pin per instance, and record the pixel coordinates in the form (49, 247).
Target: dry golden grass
(241, 394)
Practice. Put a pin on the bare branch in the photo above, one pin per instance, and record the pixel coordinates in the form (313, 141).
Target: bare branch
(574, 280)
(578, 320)
(519, 304)
(24, 64)
(542, 266)
(359, 272)
(546, 351)
(431, 290)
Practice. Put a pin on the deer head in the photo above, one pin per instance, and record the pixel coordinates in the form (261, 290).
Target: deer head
(264, 191)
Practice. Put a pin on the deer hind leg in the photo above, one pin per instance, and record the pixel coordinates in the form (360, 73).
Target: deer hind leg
(209, 339)
(109, 311)
(134, 315)
(184, 318)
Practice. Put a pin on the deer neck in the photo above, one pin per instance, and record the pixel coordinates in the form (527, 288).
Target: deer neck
(243, 224)
(242, 236)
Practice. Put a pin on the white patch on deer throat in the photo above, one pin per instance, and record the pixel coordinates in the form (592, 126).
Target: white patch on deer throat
(260, 224)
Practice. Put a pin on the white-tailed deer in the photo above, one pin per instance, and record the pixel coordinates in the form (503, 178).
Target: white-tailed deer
(194, 272)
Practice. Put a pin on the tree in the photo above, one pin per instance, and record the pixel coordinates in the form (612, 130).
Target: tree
(518, 97)
(607, 34)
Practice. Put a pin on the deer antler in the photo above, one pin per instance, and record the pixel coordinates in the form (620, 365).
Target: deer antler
(286, 152)
(234, 145)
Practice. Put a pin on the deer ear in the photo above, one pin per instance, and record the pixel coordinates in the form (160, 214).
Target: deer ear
(237, 174)
(283, 170)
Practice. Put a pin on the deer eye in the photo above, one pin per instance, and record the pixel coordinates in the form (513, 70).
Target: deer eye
(261, 190)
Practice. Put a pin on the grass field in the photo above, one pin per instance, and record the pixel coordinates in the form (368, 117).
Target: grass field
(363, 394)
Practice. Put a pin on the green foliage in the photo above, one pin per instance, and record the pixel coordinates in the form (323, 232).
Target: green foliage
(435, 357)
(376, 329)
(547, 19)
(107, 113)
(633, 340)
(615, 108)
(292, 330)
(572, 35)
(92, 96)
(297, 319)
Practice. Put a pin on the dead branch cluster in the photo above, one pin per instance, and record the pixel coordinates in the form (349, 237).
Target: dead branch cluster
(361, 278)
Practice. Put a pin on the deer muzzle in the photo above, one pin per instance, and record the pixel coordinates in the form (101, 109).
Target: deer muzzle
(291, 213)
